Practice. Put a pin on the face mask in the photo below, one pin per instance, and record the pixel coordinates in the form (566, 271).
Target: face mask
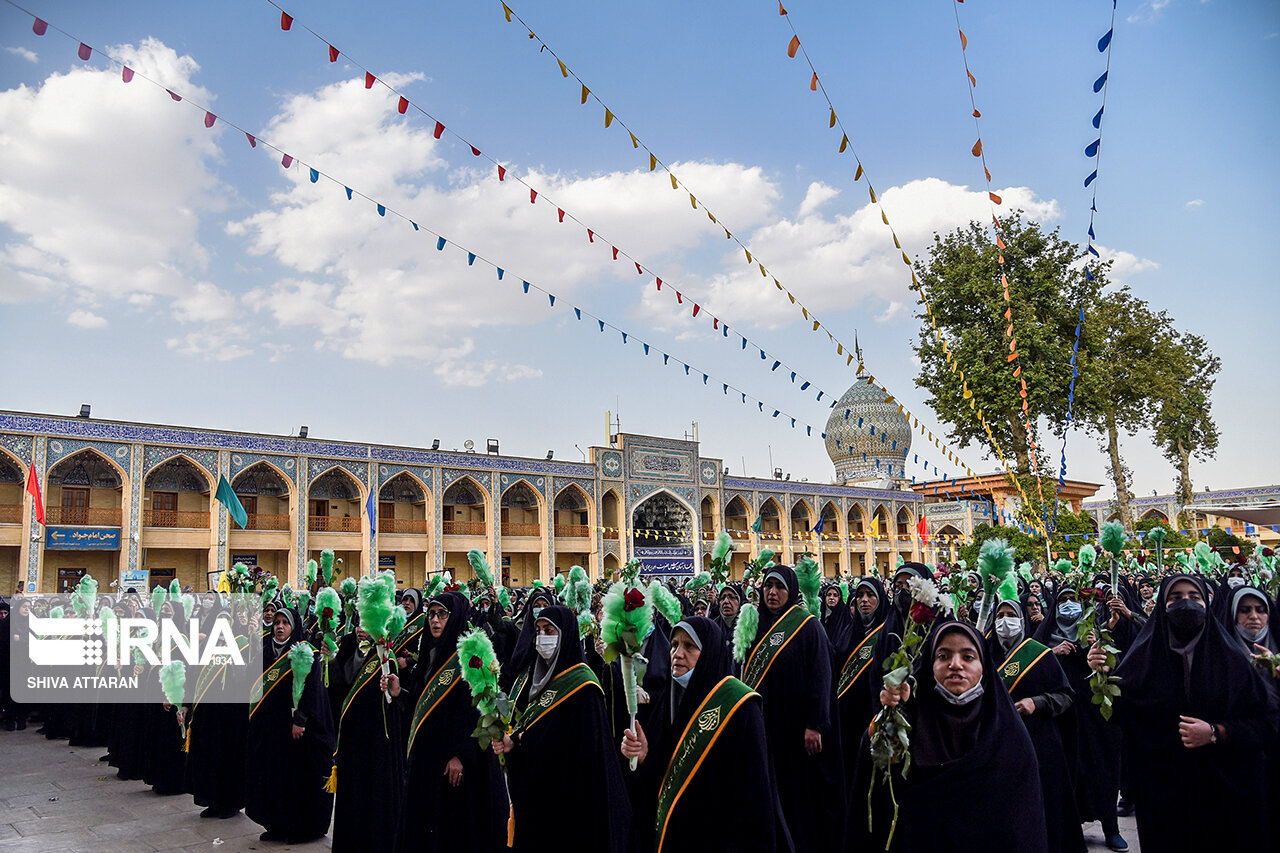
(1070, 610)
(902, 601)
(974, 692)
(1008, 627)
(1186, 618)
(536, 611)
(683, 680)
(1252, 637)
(546, 645)
(1235, 582)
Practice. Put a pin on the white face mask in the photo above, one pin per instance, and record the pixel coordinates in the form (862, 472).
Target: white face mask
(1235, 582)
(546, 645)
(974, 692)
(1008, 627)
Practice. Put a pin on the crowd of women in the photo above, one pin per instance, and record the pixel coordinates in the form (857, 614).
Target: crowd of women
(1019, 730)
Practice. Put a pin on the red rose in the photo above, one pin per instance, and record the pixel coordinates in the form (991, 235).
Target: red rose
(922, 613)
(328, 613)
(633, 599)
(943, 570)
(475, 662)
(1267, 552)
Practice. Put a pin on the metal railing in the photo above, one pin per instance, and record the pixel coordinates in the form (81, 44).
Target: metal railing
(333, 524)
(105, 516)
(175, 518)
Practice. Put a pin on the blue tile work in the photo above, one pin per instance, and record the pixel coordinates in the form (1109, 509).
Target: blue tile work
(479, 478)
(61, 448)
(19, 445)
(224, 522)
(287, 466)
(387, 473)
(588, 486)
(135, 503)
(34, 534)
(537, 484)
(206, 459)
(358, 470)
(610, 462)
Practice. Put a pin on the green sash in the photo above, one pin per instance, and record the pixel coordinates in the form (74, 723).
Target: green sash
(858, 662)
(433, 694)
(409, 632)
(561, 688)
(210, 673)
(1019, 663)
(270, 680)
(764, 654)
(695, 742)
(371, 670)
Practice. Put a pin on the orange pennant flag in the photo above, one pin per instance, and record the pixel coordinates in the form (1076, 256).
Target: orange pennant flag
(813, 84)
(793, 47)
(995, 198)
(608, 117)
(973, 81)
(964, 41)
(585, 93)
(1018, 372)
(1008, 313)
(781, 11)
(1000, 242)
(988, 171)
(977, 146)
(976, 114)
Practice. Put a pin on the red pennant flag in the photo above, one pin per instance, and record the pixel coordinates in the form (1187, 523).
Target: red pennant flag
(533, 196)
(286, 21)
(793, 47)
(403, 105)
(368, 79)
(286, 161)
(696, 309)
(253, 143)
(813, 84)
(679, 297)
(922, 528)
(475, 151)
(39, 27)
(209, 119)
(126, 73)
(639, 269)
(591, 236)
(977, 148)
(973, 81)
(615, 252)
(502, 173)
(439, 130)
(333, 53)
(781, 11)
(33, 489)
(659, 282)
(85, 51)
(715, 322)
(560, 213)
(976, 114)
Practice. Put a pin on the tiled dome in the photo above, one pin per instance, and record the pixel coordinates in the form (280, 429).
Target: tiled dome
(867, 438)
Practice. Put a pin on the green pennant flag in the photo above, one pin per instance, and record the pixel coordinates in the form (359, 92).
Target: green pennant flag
(227, 496)
(755, 525)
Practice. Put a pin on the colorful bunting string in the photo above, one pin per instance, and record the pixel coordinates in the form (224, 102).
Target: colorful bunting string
(796, 48)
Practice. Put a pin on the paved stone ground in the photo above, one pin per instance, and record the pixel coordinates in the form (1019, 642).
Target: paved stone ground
(57, 798)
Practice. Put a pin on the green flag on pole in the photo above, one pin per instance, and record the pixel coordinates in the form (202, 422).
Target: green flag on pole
(227, 496)
(755, 525)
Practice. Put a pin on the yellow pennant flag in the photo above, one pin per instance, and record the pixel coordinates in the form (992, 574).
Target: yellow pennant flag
(608, 117)
(833, 118)
(844, 143)
(804, 311)
(653, 162)
(635, 143)
(748, 251)
(792, 297)
(839, 349)
(816, 324)
(674, 185)
(564, 72)
(585, 93)
(710, 216)
(693, 201)
(895, 241)
(506, 11)
(763, 274)
(848, 361)
(873, 193)
(858, 174)
(884, 217)
(905, 259)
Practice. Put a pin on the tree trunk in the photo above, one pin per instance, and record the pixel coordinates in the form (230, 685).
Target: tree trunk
(1185, 496)
(1118, 474)
(1019, 448)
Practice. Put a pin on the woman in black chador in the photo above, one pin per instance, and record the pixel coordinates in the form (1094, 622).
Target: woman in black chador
(455, 798)
(290, 753)
(216, 735)
(1199, 718)
(703, 753)
(973, 785)
(561, 761)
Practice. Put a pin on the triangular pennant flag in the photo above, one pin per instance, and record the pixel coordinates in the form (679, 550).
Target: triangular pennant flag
(977, 148)
(585, 93)
(608, 117)
(253, 143)
(403, 106)
(209, 119)
(439, 130)
(333, 53)
(368, 79)
(126, 74)
(1100, 82)
(286, 20)
(793, 46)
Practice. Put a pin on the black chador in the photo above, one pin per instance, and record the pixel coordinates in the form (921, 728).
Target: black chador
(369, 757)
(1184, 666)
(286, 774)
(970, 761)
(854, 688)
(789, 665)
(563, 761)
(455, 798)
(216, 733)
(707, 756)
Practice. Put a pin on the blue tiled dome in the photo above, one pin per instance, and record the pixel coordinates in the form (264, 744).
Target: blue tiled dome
(867, 438)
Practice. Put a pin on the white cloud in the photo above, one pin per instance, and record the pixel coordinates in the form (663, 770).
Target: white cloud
(472, 374)
(24, 53)
(817, 195)
(210, 346)
(1148, 11)
(1125, 264)
(894, 310)
(206, 303)
(1194, 203)
(86, 319)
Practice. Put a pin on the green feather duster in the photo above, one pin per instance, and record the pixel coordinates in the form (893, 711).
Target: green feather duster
(375, 606)
(995, 565)
(1204, 555)
(480, 667)
(720, 556)
(434, 586)
(158, 597)
(578, 595)
(56, 612)
(326, 565)
(304, 602)
(1063, 566)
(1111, 537)
(84, 600)
(173, 679)
(397, 622)
(625, 618)
(744, 633)
(329, 609)
(901, 560)
(504, 598)
(175, 589)
(348, 587)
(666, 603)
(480, 565)
(559, 583)
(700, 581)
(809, 574)
(844, 590)
(309, 576)
(1008, 590)
(188, 602)
(1086, 557)
(1024, 572)
(537, 583)
(301, 659)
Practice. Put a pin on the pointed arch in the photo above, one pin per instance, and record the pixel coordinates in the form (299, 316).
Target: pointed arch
(771, 518)
(880, 520)
(830, 516)
(611, 515)
(326, 496)
(465, 508)
(573, 512)
(738, 518)
(177, 461)
(708, 517)
(85, 487)
(404, 504)
(801, 518)
(857, 520)
(905, 521)
(69, 463)
(521, 508)
(664, 517)
(266, 495)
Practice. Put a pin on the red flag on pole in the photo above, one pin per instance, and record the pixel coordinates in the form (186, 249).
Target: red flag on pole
(922, 527)
(33, 489)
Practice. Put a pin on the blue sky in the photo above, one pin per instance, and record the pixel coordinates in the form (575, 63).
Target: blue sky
(167, 272)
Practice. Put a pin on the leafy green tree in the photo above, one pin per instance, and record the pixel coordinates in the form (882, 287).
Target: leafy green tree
(1184, 427)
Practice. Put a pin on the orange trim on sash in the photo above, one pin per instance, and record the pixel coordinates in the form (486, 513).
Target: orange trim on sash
(559, 699)
(785, 643)
(1025, 669)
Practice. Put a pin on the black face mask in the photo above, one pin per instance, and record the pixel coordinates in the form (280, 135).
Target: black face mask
(902, 601)
(1186, 618)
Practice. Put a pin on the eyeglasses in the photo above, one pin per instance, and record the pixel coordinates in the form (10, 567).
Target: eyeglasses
(438, 615)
